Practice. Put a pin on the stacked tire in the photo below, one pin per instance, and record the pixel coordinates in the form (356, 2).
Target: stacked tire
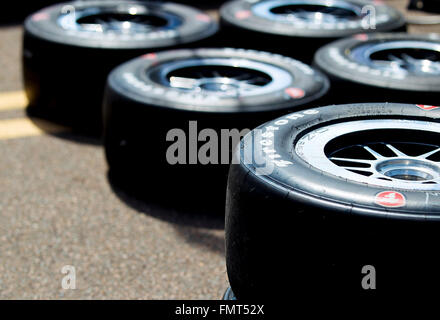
(166, 115)
(336, 201)
(298, 28)
(396, 67)
(17, 11)
(69, 50)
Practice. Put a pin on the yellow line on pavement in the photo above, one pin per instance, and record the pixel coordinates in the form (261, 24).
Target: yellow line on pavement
(13, 100)
(25, 127)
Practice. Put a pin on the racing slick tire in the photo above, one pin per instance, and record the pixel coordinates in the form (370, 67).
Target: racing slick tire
(398, 67)
(298, 28)
(194, 99)
(70, 48)
(337, 201)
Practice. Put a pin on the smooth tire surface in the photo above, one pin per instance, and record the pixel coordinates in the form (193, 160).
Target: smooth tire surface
(142, 104)
(302, 222)
(425, 5)
(88, 39)
(17, 11)
(290, 27)
(368, 67)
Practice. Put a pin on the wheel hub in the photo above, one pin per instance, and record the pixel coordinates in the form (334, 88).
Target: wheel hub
(409, 169)
(408, 56)
(118, 20)
(384, 152)
(315, 12)
(221, 76)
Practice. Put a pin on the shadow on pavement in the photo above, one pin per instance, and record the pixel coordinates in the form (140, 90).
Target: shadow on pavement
(202, 238)
(64, 132)
(196, 225)
(170, 209)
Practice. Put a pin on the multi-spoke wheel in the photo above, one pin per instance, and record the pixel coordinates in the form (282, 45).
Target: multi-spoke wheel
(412, 56)
(16, 11)
(221, 77)
(321, 199)
(158, 104)
(303, 25)
(394, 67)
(125, 20)
(386, 153)
(318, 12)
(70, 48)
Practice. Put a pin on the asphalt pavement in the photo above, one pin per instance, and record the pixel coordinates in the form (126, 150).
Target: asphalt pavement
(58, 208)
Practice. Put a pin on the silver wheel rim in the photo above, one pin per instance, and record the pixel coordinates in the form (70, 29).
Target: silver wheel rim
(120, 20)
(327, 12)
(246, 83)
(404, 57)
(381, 163)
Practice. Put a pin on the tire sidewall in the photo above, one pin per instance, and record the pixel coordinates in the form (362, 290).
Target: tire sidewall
(194, 26)
(307, 184)
(334, 60)
(130, 80)
(230, 11)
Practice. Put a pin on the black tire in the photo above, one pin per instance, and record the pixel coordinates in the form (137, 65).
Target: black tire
(357, 76)
(17, 11)
(307, 230)
(65, 68)
(202, 3)
(252, 24)
(425, 5)
(140, 107)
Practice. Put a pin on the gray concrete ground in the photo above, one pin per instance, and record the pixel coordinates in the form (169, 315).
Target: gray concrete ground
(57, 208)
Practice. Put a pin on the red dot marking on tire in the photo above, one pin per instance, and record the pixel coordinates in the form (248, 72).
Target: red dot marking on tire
(203, 17)
(425, 107)
(295, 93)
(361, 37)
(390, 199)
(40, 16)
(378, 2)
(244, 14)
(149, 56)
